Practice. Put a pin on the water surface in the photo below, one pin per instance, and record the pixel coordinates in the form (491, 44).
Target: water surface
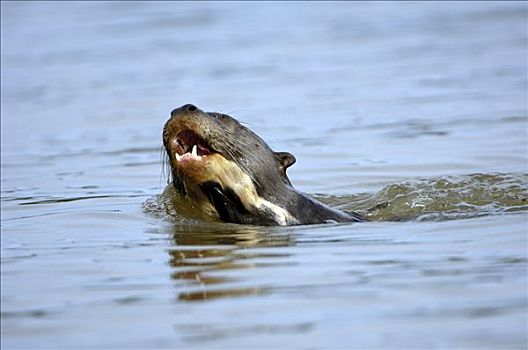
(415, 113)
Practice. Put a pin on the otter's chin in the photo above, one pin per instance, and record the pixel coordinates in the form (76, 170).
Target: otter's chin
(194, 168)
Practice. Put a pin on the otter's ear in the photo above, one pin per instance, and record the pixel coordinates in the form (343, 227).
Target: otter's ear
(285, 160)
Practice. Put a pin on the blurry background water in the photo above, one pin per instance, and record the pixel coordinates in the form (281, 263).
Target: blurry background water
(386, 103)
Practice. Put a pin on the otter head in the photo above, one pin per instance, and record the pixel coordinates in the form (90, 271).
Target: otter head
(226, 170)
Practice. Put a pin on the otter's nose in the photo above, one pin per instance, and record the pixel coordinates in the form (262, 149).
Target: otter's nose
(188, 107)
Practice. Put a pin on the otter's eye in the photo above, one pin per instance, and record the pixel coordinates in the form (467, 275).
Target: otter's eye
(224, 118)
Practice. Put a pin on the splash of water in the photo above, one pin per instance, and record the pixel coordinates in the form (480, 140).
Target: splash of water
(431, 199)
(445, 198)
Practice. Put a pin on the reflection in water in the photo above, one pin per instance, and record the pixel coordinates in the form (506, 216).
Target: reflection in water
(202, 259)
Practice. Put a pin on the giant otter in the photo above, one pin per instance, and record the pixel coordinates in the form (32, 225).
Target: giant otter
(222, 170)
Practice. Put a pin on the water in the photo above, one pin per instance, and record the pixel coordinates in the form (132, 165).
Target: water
(413, 112)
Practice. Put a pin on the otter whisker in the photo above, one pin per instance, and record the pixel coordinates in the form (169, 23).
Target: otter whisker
(166, 173)
(243, 149)
(242, 165)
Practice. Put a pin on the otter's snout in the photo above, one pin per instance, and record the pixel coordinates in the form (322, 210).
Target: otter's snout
(185, 108)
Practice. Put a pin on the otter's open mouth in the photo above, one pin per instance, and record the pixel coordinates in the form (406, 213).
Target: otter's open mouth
(189, 145)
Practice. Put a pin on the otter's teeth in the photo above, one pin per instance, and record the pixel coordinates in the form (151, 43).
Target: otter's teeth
(178, 157)
(194, 151)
